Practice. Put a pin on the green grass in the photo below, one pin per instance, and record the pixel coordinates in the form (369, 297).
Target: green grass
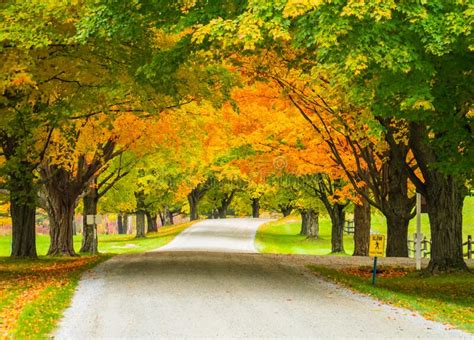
(35, 292)
(445, 298)
(379, 224)
(112, 244)
(282, 236)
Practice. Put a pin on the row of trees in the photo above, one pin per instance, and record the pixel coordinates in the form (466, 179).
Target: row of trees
(308, 106)
(387, 82)
(79, 98)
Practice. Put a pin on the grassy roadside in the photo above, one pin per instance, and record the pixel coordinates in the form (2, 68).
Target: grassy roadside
(282, 236)
(113, 244)
(34, 293)
(444, 298)
(120, 244)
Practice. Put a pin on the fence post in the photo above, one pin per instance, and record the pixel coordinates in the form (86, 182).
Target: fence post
(424, 247)
(469, 247)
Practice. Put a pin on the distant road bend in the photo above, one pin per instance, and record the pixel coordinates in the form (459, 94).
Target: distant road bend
(209, 283)
(232, 235)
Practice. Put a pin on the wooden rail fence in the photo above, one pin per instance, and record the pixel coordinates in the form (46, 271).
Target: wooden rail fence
(426, 247)
(349, 227)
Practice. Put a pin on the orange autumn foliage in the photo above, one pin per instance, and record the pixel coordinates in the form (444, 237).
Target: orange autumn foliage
(283, 140)
(82, 138)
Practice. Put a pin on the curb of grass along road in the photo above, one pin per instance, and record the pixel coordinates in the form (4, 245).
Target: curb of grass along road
(40, 291)
(448, 299)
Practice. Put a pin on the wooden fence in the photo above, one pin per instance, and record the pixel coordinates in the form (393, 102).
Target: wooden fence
(426, 247)
(349, 227)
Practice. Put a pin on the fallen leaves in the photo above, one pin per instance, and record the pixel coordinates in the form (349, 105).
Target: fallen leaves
(382, 272)
(24, 282)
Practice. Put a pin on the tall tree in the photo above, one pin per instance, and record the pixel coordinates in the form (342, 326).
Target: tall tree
(97, 189)
(35, 67)
(421, 74)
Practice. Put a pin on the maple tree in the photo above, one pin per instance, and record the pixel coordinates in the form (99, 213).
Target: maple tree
(370, 152)
(372, 155)
(289, 146)
(332, 100)
(39, 79)
(114, 171)
(73, 67)
(392, 81)
(155, 183)
(75, 158)
(411, 78)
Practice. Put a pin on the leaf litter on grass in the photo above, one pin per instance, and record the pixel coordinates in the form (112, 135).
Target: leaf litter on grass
(25, 281)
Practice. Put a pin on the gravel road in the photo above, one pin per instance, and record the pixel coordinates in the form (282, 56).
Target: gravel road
(227, 295)
(232, 235)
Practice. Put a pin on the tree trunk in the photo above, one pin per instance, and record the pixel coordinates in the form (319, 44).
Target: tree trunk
(309, 223)
(444, 197)
(140, 215)
(23, 213)
(445, 200)
(286, 210)
(222, 211)
(256, 207)
(120, 229)
(225, 203)
(154, 221)
(151, 222)
(304, 222)
(362, 221)
(397, 235)
(398, 206)
(20, 181)
(313, 224)
(62, 194)
(161, 214)
(193, 207)
(194, 197)
(337, 215)
(89, 241)
(125, 223)
(171, 217)
(61, 213)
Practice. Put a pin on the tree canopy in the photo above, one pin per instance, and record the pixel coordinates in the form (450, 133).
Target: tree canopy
(167, 107)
